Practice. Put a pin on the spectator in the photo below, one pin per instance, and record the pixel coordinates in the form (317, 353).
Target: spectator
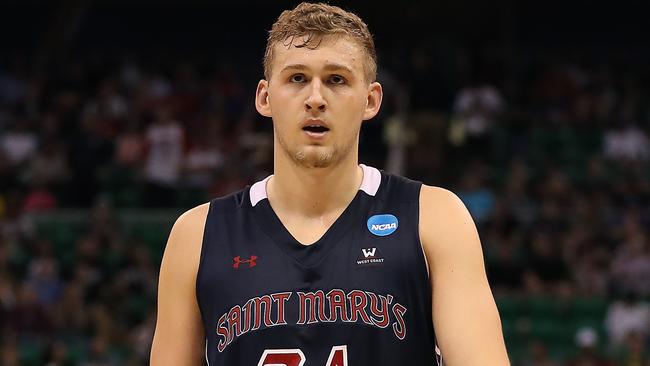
(43, 275)
(39, 199)
(100, 354)
(48, 167)
(9, 355)
(587, 342)
(13, 86)
(627, 143)
(546, 262)
(162, 169)
(7, 297)
(28, 316)
(630, 266)
(633, 351)
(130, 146)
(590, 271)
(89, 152)
(538, 355)
(627, 316)
(18, 144)
(475, 194)
(476, 109)
(69, 314)
(202, 162)
(141, 337)
(58, 354)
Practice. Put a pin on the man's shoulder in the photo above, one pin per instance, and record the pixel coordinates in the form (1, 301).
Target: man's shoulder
(183, 249)
(445, 222)
(216, 206)
(194, 213)
(436, 198)
(191, 220)
(447, 231)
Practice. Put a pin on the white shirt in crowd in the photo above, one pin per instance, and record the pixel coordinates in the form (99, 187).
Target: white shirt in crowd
(165, 155)
(629, 144)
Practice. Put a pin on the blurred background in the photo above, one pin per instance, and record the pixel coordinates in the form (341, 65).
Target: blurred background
(116, 116)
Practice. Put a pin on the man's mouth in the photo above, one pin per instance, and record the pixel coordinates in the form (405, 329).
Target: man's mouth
(315, 129)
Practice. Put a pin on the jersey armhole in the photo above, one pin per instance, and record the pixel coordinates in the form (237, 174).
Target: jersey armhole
(424, 254)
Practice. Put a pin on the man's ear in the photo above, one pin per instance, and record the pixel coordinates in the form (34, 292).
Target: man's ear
(373, 102)
(262, 98)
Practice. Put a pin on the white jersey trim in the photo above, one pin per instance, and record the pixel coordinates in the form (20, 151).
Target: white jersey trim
(370, 184)
(371, 180)
(258, 191)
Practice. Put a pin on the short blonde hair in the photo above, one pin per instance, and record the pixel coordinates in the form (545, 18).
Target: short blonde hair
(316, 21)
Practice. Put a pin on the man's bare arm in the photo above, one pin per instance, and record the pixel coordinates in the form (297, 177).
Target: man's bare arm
(465, 316)
(179, 338)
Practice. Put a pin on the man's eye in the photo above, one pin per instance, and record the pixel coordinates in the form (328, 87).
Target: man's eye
(337, 79)
(297, 78)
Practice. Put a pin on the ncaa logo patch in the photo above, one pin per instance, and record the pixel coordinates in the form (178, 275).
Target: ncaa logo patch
(382, 225)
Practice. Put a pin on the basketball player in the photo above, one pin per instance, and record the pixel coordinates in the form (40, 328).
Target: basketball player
(326, 262)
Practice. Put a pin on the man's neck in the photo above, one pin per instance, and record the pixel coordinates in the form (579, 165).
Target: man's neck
(314, 192)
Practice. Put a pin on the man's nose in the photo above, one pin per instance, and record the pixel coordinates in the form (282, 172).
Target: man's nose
(315, 99)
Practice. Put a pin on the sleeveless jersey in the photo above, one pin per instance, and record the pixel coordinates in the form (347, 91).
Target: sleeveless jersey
(359, 296)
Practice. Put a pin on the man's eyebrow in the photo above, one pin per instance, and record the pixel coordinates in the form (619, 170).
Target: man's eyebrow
(328, 67)
(337, 67)
(294, 67)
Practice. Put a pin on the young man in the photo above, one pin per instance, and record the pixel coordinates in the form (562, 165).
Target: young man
(326, 262)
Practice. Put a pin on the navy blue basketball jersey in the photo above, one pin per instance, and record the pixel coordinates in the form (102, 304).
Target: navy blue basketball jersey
(359, 296)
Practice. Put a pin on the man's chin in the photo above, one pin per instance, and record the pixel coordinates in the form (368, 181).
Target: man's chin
(314, 158)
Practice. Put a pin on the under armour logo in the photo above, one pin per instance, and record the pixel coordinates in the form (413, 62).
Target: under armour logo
(237, 261)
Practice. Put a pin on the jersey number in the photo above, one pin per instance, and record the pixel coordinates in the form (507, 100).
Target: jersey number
(295, 357)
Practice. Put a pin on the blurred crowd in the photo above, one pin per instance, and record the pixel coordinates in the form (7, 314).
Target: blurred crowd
(549, 151)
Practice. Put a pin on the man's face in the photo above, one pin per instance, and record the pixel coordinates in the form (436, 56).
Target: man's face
(318, 98)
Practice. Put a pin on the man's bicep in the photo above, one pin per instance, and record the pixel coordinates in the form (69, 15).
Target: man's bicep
(179, 336)
(465, 316)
